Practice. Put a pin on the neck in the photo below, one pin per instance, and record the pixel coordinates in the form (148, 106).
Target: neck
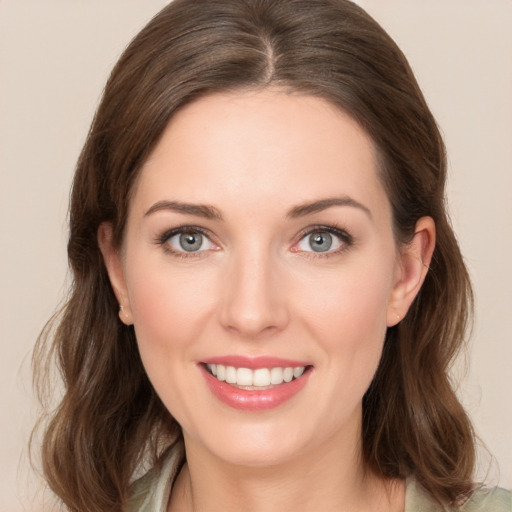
(323, 479)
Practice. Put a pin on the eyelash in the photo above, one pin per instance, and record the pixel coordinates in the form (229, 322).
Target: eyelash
(181, 230)
(347, 241)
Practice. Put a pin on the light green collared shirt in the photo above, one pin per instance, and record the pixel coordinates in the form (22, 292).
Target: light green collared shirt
(151, 493)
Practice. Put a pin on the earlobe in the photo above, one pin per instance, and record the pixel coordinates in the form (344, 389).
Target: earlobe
(414, 263)
(113, 264)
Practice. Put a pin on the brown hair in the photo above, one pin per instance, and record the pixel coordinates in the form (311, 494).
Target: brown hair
(110, 418)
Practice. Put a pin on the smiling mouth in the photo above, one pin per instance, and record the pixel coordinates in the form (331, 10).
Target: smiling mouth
(257, 379)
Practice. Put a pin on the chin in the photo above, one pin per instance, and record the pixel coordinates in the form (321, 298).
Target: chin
(255, 446)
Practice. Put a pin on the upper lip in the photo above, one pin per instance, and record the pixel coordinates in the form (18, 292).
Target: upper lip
(254, 363)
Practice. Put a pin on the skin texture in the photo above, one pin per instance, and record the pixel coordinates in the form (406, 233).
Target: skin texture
(256, 288)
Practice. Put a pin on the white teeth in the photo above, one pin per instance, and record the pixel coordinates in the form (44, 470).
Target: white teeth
(221, 372)
(230, 374)
(276, 375)
(244, 377)
(298, 371)
(261, 377)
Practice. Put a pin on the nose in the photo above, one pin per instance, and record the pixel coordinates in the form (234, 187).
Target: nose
(254, 298)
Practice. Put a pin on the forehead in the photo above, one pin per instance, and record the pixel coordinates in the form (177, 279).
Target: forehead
(259, 146)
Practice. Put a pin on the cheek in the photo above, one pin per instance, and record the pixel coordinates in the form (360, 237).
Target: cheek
(169, 308)
(170, 313)
(348, 301)
(348, 318)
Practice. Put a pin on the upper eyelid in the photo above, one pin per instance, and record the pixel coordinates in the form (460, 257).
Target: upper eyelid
(169, 233)
(336, 230)
(302, 232)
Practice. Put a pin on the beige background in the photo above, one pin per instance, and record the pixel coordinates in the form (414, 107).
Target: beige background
(54, 59)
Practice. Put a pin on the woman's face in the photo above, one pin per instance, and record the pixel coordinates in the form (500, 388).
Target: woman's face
(259, 239)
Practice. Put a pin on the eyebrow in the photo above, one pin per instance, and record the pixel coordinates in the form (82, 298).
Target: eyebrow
(199, 210)
(322, 204)
(210, 212)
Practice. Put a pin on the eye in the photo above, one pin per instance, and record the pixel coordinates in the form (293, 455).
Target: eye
(323, 240)
(186, 241)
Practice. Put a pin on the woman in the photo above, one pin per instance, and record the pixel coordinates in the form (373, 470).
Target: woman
(267, 292)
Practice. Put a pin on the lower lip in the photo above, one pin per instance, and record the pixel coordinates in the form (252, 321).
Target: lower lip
(255, 400)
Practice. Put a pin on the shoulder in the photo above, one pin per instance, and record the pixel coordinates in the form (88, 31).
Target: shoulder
(483, 500)
(151, 492)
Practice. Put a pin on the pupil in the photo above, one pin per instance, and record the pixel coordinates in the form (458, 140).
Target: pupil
(321, 242)
(191, 242)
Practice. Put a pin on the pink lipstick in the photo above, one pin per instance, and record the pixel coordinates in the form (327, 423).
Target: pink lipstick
(254, 384)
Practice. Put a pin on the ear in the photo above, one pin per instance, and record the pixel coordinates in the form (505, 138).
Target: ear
(414, 261)
(113, 262)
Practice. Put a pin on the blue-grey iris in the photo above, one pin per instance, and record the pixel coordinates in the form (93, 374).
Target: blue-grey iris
(191, 242)
(320, 242)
